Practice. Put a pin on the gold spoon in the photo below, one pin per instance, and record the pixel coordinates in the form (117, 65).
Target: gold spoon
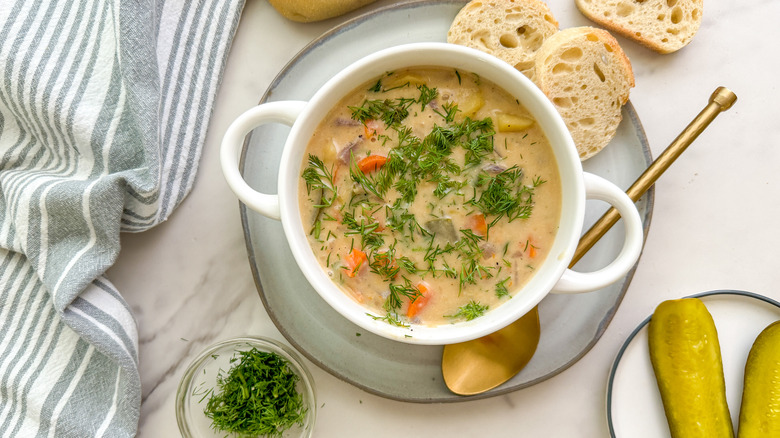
(482, 364)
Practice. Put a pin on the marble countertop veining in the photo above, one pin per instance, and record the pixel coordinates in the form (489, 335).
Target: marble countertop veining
(714, 226)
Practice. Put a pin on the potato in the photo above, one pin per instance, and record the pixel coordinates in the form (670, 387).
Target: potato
(306, 11)
(512, 123)
(470, 104)
(394, 81)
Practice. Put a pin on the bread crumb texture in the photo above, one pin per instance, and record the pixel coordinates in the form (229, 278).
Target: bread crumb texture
(511, 30)
(662, 25)
(588, 77)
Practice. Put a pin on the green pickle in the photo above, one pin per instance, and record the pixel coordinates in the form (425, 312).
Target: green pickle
(759, 415)
(686, 359)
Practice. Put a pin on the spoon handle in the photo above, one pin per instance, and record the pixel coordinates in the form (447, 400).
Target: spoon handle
(721, 100)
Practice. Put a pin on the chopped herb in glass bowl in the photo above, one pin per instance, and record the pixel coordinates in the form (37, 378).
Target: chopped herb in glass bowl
(246, 387)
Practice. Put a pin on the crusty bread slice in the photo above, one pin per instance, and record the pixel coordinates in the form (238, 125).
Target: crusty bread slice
(662, 25)
(511, 30)
(587, 76)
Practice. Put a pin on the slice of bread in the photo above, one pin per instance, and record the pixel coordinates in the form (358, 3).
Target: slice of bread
(511, 30)
(662, 25)
(586, 75)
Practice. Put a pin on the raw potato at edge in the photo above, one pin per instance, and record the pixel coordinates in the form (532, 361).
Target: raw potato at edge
(586, 75)
(661, 25)
(508, 29)
(307, 11)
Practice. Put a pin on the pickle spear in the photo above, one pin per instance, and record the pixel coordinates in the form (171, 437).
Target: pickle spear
(686, 359)
(759, 415)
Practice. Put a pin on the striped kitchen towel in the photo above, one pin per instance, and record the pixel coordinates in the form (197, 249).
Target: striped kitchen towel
(104, 106)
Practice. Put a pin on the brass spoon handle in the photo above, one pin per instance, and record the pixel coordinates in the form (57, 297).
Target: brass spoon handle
(720, 100)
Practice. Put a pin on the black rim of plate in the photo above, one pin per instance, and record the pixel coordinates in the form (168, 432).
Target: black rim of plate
(630, 338)
(648, 197)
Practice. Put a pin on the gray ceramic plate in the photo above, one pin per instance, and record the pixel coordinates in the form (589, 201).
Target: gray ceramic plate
(634, 407)
(570, 324)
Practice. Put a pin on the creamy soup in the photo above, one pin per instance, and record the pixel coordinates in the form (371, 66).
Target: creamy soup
(431, 195)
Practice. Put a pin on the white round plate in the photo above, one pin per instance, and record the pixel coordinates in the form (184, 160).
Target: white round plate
(634, 407)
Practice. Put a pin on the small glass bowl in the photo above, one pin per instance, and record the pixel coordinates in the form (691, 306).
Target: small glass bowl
(201, 375)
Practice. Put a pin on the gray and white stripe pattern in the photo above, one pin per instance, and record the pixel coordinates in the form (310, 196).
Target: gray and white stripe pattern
(104, 107)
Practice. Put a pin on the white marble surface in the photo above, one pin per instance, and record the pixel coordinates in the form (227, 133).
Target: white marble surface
(714, 227)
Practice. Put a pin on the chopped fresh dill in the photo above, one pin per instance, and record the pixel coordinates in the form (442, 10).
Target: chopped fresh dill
(398, 292)
(390, 318)
(450, 110)
(470, 311)
(389, 111)
(426, 95)
(471, 271)
(504, 195)
(501, 289)
(316, 230)
(384, 264)
(434, 250)
(480, 142)
(408, 265)
(257, 396)
(407, 188)
(366, 229)
(370, 182)
(446, 186)
(317, 176)
(469, 243)
(400, 220)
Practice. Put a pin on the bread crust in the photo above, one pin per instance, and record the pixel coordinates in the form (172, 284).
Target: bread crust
(307, 11)
(664, 26)
(511, 30)
(588, 77)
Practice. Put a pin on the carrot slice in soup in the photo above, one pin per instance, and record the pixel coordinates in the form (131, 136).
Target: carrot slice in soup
(529, 247)
(416, 305)
(478, 223)
(371, 163)
(371, 128)
(353, 261)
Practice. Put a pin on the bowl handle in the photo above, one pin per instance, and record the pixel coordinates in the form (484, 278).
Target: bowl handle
(285, 112)
(599, 188)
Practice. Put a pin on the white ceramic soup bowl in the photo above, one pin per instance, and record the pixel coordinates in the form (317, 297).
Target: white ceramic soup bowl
(577, 186)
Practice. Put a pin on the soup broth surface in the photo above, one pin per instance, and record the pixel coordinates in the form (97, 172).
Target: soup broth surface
(431, 194)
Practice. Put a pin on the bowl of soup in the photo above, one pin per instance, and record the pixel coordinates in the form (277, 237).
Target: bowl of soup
(431, 194)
